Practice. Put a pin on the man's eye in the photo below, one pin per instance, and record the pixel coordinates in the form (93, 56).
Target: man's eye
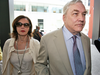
(84, 14)
(75, 13)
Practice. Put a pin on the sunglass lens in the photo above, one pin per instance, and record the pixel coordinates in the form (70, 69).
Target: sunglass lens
(26, 24)
(18, 24)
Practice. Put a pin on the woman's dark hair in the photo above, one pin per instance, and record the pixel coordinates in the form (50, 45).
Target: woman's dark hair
(14, 34)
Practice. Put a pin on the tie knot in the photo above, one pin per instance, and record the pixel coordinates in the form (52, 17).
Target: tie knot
(74, 38)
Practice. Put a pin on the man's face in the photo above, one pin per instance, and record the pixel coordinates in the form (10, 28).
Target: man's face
(74, 19)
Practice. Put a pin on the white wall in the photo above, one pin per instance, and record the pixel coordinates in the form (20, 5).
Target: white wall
(52, 21)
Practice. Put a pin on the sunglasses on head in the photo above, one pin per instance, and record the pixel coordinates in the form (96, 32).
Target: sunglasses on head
(19, 24)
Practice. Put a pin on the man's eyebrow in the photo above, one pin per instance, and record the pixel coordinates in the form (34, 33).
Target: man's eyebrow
(86, 12)
(75, 10)
(78, 11)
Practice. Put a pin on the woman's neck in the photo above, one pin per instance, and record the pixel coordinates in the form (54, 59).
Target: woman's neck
(22, 38)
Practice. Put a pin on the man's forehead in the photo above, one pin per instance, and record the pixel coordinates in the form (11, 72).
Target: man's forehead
(77, 7)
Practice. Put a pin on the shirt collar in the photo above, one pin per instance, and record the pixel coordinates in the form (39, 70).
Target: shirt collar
(68, 34)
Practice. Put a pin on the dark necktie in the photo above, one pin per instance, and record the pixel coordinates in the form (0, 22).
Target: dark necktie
(77, 59)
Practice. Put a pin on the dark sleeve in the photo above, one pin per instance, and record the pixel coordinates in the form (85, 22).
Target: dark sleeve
(41, 33)
(97, 44)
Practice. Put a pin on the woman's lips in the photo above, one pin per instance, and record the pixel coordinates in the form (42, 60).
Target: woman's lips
(22, 30)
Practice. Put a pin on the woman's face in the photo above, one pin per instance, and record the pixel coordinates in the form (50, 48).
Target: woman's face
(22, 27)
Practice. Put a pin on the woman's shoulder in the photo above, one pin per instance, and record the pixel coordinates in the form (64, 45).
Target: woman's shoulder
(34, 44)
(35, 41)
(9, 40)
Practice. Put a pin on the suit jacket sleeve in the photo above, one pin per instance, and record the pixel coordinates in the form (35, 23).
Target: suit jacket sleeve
(41, 65)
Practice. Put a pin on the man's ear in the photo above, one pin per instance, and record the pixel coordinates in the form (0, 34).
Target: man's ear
(64, 16)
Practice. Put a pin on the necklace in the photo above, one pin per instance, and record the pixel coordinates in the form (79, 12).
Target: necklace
(20, 62)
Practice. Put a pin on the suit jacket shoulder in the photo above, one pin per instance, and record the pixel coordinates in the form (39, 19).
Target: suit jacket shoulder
(53, 34)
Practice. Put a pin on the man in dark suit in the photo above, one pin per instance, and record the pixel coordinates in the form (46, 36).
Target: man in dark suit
(56, 56)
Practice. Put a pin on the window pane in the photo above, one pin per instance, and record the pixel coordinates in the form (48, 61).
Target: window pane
(40, 20)
(39, 8)
(88, 2)
(19, 8)
(52, 9)
(40, 23)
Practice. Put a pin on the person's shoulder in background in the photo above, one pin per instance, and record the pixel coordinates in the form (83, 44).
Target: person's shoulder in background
(97, 44)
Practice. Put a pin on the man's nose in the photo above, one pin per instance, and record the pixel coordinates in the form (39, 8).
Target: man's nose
(82, 17)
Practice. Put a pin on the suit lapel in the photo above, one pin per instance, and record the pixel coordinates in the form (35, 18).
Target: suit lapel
(86, 49)
(61, 47)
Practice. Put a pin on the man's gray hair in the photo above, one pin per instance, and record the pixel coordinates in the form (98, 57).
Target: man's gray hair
(66, 7)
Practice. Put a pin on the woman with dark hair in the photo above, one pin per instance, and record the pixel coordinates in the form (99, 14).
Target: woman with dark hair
(20, 51)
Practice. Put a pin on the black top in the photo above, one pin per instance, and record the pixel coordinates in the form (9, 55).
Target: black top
(36, 36)
(97, 44)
